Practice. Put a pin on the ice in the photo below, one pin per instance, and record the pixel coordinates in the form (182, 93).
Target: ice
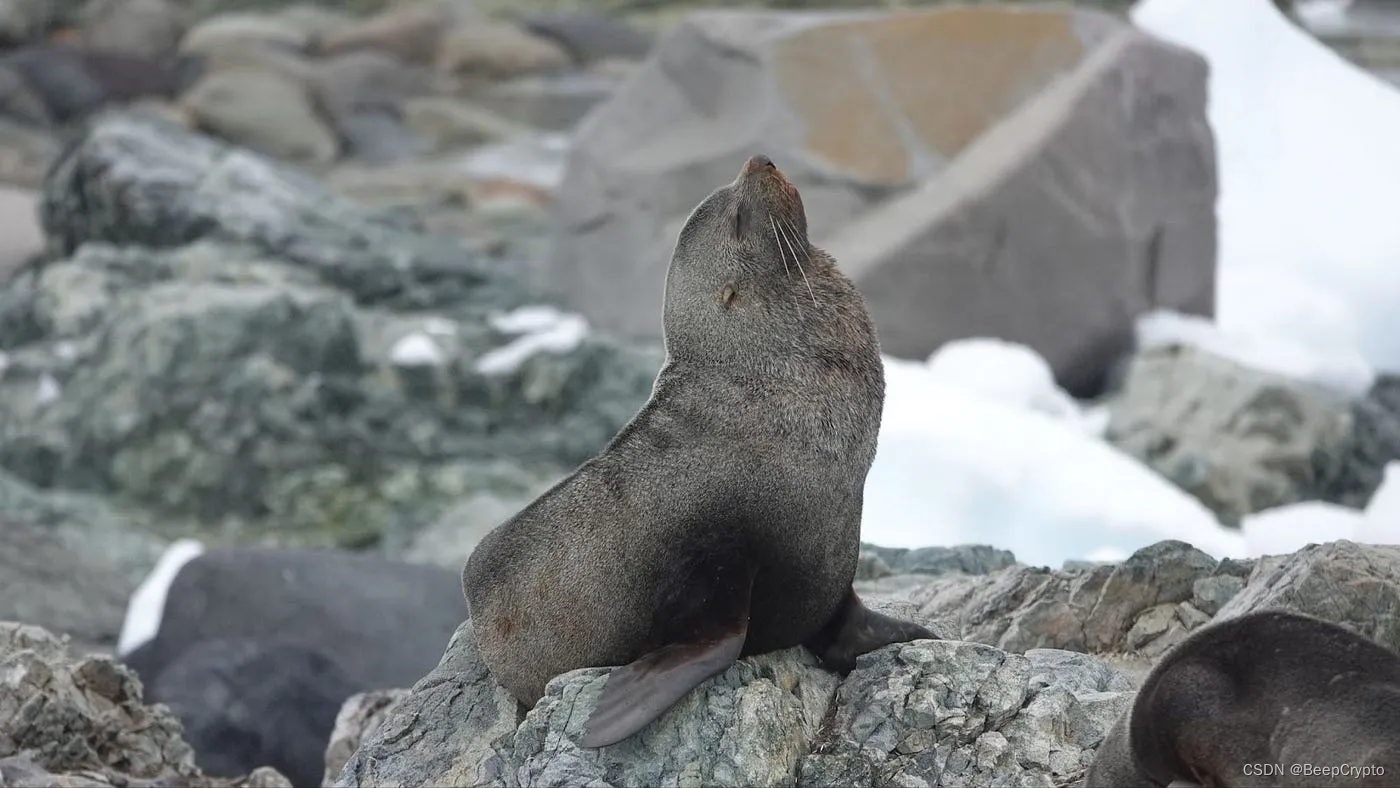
(1287, 529)
(1307, 162)
(1005, 372)
(541, 329)
(1343, 370)
(416, 350)
(147, 604)
(955, 466)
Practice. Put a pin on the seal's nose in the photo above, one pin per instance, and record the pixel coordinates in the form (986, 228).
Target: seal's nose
(756, 163)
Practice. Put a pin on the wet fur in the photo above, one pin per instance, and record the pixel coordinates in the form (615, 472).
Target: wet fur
(747, 464)
(1268, 687)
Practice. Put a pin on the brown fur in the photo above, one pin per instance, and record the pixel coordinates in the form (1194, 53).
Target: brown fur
(748, 461)
(1270, 687)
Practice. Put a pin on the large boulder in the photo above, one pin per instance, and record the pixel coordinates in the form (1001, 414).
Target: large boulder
(1239, 439)
(978, 715)
(218, 336)
(993, 705)
(382, 622)
(1047, 201)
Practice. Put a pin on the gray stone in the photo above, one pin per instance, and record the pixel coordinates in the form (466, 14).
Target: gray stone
(262, 110)
(1095, 609)
(1355, 585)
(80, 721)
(360, 717)
(217, 336)
(68, 562)
(445, 731)
(906, 714)
(1092, 141)
(1212, 593)
(1238, 439)
(590, 38)
(952, 713)
(972, 559)
(1351, 473)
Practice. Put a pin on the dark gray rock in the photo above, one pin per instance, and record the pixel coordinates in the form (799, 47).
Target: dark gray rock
(68, 562)
(589, 38)
(1351, 473)
(217, 336)
(972, 559)
(383, 622)
(246, 703)
(1238, 439)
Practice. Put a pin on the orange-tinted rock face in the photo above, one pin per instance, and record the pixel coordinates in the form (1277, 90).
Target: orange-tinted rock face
(1040, 175)
(875, 96)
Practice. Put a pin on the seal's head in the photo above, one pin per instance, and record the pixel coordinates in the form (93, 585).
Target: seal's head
(745, 283)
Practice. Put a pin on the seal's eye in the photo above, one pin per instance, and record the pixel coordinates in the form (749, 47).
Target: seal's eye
(737, 220)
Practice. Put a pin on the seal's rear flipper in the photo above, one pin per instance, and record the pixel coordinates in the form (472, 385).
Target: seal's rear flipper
(856, 630)
(639, 692)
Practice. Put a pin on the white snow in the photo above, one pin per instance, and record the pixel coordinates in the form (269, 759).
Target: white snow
(47, 390)
(539, 329)
(1307, 161)
(1286, 529)
(955, 466)
(1004, 372)
(147, 603)
(440, 327)
(1342, 369)
(416, 350)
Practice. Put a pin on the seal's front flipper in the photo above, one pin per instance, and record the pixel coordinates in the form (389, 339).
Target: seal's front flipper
(856, 630)
(639, 692)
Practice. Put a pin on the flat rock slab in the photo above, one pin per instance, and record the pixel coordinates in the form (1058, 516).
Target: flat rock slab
(1049, 200)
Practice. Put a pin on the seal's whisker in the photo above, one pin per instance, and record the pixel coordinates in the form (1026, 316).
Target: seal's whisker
(781, 256)
(793, 248)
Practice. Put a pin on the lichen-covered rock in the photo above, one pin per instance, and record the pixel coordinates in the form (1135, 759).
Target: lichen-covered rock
(1147, 603)
(908, 713)
(1238, 439)
(445, 731)
(947, 712)
(359, 718)
(1342, 581)
(218, 336)
(65, 720)
(951, 713)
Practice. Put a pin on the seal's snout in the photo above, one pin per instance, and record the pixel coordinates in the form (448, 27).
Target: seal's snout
(758, 163)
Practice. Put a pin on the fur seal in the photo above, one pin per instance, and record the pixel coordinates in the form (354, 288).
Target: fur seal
(1267, 690)
(724, 519)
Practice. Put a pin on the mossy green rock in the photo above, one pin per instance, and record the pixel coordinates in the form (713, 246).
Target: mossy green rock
(220, 339)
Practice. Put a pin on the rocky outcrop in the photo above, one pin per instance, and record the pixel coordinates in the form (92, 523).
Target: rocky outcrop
(1019, 209)
(217, 336)
(1238, 439)
(1352, 473)
(80, 722)
(1144, 605)
(68, 562)
(928, 713)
